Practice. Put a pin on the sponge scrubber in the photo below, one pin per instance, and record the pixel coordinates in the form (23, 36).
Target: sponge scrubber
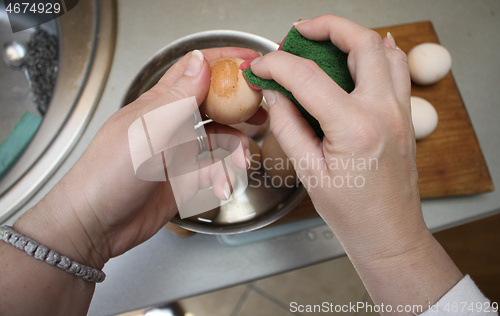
(326, 55)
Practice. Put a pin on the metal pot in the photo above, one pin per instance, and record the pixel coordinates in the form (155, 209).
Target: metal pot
(257, 206)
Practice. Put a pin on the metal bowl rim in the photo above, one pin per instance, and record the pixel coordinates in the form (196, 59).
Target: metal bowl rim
(265, 219)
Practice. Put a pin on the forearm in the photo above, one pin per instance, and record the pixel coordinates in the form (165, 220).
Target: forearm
(32, 287)
(60, 222)
(419, 277)
(379, 220)
(399, 261)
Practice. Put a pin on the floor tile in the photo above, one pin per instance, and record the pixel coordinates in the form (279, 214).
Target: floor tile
(334, 282)
(257, 304)
(220, 303)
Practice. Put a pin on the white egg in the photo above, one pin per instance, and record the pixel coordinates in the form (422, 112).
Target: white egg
(429, 63)
(423, 116)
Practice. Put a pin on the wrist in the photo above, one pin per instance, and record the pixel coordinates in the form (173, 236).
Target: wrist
(378, 231)
(382, 218)
(383, 241)
(421, 275)
(55, 223)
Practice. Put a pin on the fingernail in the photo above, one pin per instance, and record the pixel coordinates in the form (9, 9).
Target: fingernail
(194, 64)
(270, 96)
(256, 60)
(391, 40)
(301, 22)
(248, 156)
(226, 191)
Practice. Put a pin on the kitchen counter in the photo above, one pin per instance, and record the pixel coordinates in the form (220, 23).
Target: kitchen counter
(167, 268)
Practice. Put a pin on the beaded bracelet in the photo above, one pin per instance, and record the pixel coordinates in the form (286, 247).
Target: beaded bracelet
(40, 252)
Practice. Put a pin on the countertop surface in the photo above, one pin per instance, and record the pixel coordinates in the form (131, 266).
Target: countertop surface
(167, 268)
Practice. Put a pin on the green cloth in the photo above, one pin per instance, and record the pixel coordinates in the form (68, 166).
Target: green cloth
(326, 55)
(19, 138)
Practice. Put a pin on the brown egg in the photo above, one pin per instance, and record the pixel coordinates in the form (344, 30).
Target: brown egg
(230, 100)
(276, 163)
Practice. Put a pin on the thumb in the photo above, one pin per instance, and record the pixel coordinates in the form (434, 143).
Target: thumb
(194, 81)
(171, 112)
(294, 134)
(167, 120)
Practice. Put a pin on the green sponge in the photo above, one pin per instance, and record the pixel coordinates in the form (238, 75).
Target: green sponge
(326, 55)
(19, 137)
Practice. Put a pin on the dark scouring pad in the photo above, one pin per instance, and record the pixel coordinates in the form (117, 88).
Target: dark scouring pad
(326, 55)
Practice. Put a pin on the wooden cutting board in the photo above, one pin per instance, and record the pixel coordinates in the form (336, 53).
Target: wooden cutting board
(449, 161)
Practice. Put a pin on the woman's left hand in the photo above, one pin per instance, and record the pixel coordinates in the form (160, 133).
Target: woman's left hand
(100, 208)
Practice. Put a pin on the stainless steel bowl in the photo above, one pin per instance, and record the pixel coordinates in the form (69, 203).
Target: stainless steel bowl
(257, 206)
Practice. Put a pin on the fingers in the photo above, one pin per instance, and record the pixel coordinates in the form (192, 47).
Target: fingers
(175, 72)
(398, 65)
(367, 60)
(259, 117)
(309, 84)
(217, 175)
(228, 138)
(378, 71)
(169, 118)
(193, 81)
(292, 131)
(243, 53)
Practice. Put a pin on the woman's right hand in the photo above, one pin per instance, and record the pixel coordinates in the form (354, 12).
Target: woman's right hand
(363, 172)
(362, 176)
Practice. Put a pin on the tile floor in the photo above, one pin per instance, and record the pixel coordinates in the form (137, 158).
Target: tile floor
(334, 281)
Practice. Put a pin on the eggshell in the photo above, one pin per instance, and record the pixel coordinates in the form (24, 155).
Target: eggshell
(230, 100)
(423, 116)
(428, 63)
(276, 163)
